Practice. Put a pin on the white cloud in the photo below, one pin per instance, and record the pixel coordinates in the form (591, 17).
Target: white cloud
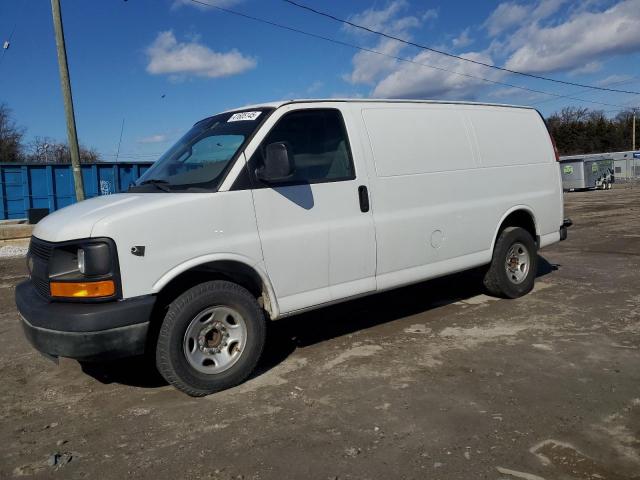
(430, 14)
(168, 56)
(159, 138)
(511, 14)
(546, 8)
(583, 38)
(384, 19)
(613, 80)
(416, 81)
(369, 67)
(391, 78)
(504, 92)
(541, 36)
(506, 16)
(463, 39)
(591, 67)
(510, 93)
(315, 86)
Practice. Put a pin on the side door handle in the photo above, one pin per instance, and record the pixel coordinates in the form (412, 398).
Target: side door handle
(363, 196)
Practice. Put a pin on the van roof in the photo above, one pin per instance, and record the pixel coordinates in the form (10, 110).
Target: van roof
(369, 100)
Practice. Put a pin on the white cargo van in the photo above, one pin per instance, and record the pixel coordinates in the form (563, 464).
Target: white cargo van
(267, 211)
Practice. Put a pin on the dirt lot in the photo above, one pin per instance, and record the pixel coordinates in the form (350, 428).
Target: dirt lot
(432, 381)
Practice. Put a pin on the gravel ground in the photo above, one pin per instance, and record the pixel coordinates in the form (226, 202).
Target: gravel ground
(432, 381)
(11, 251)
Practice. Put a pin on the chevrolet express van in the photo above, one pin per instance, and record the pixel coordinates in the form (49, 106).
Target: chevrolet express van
(267, 211)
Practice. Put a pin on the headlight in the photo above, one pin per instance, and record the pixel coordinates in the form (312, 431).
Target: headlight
(86, 269)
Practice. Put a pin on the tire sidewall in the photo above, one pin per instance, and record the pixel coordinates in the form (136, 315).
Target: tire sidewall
(180, 314)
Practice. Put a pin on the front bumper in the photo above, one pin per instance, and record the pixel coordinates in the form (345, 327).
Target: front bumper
(84, 331)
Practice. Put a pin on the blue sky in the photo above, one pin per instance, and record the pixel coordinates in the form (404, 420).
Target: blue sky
(124, 56)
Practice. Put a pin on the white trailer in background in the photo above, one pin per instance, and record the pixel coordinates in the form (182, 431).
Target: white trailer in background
(583, 173)
(626, 166)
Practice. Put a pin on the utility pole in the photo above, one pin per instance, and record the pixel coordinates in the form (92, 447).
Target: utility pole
(633, 134)
(65, 83)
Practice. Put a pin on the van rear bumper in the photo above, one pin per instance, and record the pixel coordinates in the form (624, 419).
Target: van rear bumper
(563, 229)
(84, 331)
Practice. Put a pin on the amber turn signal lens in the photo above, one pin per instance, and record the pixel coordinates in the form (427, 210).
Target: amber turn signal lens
(104, 288)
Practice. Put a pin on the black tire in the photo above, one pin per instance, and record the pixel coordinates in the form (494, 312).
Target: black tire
(171, 360)
(497, 280)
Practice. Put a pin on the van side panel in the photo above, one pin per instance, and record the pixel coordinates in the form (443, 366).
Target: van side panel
(509, 136)
(442, 186)
(423, 141)
(515, 149)
(422, 156)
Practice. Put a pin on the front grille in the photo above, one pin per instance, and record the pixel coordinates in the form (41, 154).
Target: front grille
(40, 249)
(42, 286)
(40, 252)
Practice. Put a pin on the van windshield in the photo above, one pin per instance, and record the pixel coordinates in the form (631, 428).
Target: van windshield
(201, 158)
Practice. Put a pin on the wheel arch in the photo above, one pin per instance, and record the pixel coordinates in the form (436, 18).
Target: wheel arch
(232, 267)
(518, 216)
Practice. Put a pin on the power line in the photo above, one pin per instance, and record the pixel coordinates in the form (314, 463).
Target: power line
(402, 59)
(451, 55)
(621, 82)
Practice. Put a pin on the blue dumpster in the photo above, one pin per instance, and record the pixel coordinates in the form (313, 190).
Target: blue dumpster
(25, 186)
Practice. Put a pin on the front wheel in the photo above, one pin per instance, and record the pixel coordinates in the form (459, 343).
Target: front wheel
(211, 338)
(514, 264)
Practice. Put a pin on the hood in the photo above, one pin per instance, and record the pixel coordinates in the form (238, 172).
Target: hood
(78, 220)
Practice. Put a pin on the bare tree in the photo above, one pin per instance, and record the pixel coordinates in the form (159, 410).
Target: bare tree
(48, 150)
(10, 137)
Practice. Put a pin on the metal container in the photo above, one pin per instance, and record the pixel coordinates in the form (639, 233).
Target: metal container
(27, 186)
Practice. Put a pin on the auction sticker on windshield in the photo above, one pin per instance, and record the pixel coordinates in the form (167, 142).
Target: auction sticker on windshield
(237, 117)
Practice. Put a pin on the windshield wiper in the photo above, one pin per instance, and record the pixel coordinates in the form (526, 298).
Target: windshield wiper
(160, 184)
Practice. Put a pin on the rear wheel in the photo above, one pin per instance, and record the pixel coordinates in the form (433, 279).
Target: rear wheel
(513, 268)
(211, 338)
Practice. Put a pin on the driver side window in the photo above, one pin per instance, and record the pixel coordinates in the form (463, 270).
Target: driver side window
(318, 141)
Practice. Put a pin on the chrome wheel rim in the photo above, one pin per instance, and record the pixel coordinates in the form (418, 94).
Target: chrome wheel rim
(215, 339)
(517, 263)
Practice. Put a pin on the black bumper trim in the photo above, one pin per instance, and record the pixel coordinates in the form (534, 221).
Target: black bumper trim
(563, 229)
(85, 331)
(80, 317)
(102, 345)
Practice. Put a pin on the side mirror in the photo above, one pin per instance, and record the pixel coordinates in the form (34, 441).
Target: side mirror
(278, 163)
